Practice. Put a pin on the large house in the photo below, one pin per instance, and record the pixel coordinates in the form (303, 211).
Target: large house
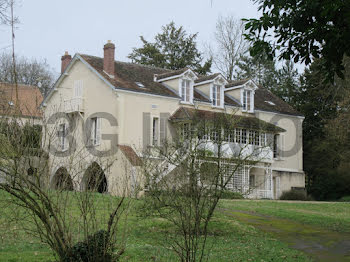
(128, 107)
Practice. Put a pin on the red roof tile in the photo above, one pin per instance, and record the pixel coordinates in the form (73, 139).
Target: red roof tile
(130, 155)
(29, 100)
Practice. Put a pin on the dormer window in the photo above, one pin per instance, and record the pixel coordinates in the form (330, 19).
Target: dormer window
(186, 91)
(181, 82)
(217, 96)
(248, 100)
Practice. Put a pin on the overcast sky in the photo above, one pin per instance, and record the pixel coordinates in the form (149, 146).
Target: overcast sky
(48, 28)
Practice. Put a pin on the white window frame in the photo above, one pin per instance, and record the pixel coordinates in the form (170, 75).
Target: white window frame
(155, 131)
(185, 99)
(244, 100)
(244, 136)
(62, 142)
(276, 146)
(213, 95)
(95, 131)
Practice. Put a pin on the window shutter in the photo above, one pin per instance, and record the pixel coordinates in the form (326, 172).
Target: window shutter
(222, 96)
(59, 138)
(191, 91)
(146, 130)
(282, 146)
(92, 135)
(163, 126)
(98, 131)
(65, 146)
(181, 82)
(78, 88)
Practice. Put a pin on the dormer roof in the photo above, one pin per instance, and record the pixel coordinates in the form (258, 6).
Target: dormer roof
(245, 83)
(175, 74)
(264, 99)
(237, 83)
(201, 80)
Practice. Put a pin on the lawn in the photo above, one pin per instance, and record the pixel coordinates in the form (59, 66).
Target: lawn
(229, 239)
(332, 215)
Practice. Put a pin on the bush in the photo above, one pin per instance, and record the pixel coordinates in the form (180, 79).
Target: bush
(231, 195)
(294, 194)
(344, 199)
(95, 248)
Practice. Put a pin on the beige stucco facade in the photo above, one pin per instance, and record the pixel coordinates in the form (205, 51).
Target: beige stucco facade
(122, 123)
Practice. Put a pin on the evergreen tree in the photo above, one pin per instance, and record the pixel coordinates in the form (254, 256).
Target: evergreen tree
(260, 69)
(282, 82)
(173, 49)
(324, 105)
(288, 85)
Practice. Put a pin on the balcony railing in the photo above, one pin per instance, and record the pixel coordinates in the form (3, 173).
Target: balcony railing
(74, 105)
(251, 152)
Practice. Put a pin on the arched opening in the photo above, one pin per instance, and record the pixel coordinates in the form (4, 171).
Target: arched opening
(95, 179)
(62, 180)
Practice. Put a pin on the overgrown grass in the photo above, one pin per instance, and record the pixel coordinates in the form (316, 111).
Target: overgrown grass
(334, 216)
(148, 240)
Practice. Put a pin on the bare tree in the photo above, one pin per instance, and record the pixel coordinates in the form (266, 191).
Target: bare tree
(190, 175)
(5, 16)
(77, 226)
(230, 45)
(28, 72)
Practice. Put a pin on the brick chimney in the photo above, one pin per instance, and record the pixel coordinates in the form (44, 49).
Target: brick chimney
(66, 58)
(108, 58)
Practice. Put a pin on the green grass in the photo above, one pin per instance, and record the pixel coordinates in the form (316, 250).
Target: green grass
(334, 216)
(229, 240)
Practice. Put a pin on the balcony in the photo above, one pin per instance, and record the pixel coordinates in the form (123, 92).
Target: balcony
(74, 105)
(249, 152)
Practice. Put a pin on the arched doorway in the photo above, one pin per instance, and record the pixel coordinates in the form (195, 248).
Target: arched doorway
(95, 179)
(62, 180)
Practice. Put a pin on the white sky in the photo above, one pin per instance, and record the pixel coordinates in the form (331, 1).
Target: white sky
(48, 28)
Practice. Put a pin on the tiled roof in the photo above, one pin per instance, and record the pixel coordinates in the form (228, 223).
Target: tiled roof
(130, 154)
(263, 97)
(200, 96)
(29, 100)
(237, 83)
(253, 123)
(230, 100)
(128, 74)
(206, 78)
(171, 73)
